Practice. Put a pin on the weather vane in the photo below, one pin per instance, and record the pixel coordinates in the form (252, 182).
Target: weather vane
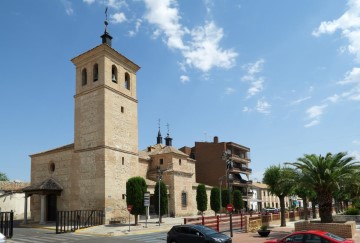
(159, 124)
(168, 128)
(106, 19)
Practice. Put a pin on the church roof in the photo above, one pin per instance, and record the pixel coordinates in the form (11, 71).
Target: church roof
(159, 149)
(126, 60)
(13, 186)
(65, 147)
(47, 185)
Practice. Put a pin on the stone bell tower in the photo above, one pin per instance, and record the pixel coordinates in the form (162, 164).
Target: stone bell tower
(106, 128)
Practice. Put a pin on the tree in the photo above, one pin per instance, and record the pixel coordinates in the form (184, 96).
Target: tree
(3, 177)
(215, 200)
(280, 181)
(238, 201)
(135, 189)
(303, 190)
(224, 198)
(325, 174)
(163, 199)
(201, 198)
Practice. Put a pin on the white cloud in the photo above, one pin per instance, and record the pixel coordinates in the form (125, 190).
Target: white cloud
(315, 111)
(263, 106)
(164, 15)
(68, 7)
(253, 68)
(355, 154)
(352, 76)
(117, 18)
(256, 87)
(314, 114)
(334, 98)
(348, 24)
(256, 83)
(356, 141)
(89, 1)
(229, 91)
(184, 79)
(115, 4)
(246, 109)
(298, 101)
(312, 123)
(137, 27)
(202, 51)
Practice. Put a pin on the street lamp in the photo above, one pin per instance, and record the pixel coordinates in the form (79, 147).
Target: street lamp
(159, 180)
(229, 177)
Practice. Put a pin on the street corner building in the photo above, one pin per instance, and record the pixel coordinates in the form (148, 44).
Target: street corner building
(91, 173)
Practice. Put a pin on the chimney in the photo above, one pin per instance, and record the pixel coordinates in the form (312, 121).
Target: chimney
(216, 139)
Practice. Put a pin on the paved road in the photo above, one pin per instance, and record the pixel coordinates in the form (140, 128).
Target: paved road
(158, 237)
(26, 235)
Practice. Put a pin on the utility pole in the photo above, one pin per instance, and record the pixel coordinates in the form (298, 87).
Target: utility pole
(229, 165)
(159, 180)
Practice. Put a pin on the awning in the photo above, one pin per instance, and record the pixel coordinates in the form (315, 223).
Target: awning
(48, 186)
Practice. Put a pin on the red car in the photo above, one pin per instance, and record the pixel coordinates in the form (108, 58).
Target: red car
(312, 236)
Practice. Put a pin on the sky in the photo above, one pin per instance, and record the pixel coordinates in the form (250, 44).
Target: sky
(280, 77)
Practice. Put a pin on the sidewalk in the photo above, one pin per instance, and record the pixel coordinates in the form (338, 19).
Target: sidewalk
(151, 226)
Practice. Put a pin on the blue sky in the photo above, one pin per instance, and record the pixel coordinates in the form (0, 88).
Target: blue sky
(281, 77)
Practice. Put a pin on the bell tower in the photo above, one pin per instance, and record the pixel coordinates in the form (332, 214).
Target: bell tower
(106, 127)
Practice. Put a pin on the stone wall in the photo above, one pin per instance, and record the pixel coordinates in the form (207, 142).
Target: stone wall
(345, 230)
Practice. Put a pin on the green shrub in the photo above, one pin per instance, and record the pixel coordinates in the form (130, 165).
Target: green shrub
(352, 211)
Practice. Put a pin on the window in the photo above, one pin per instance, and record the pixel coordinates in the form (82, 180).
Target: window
(183, 199)
(264, 193)
(52, 167)
(122, 160)
(127, 81)
(122, 109)
(84, 77)
(179, 161)
(161, 161)
(95, 72)
(114, 74)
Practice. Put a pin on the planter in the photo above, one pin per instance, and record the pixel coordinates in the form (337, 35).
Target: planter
(263, 233)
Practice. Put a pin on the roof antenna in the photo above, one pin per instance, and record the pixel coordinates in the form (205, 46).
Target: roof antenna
(106, 37)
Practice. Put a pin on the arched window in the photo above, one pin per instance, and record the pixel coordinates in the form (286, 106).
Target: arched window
(95, 72)
(114, 74)
(84, 77)
(127, 81)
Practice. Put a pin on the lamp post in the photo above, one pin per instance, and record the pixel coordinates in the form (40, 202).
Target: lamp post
(159, 180)
(229, 177)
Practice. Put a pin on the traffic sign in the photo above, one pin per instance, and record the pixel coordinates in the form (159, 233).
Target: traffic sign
(147, 199)
(229, 207)
(129, 207)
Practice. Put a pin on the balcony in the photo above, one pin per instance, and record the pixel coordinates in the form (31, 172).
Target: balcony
(242, 158)
(238, 168)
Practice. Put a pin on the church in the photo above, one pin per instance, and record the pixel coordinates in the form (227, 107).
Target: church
(91, 173)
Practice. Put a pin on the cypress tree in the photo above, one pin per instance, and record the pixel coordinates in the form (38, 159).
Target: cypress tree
(201, 198)
(135, 189)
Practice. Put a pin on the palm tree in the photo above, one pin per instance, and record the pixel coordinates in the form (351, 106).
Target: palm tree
(324, 176)
(280, 181)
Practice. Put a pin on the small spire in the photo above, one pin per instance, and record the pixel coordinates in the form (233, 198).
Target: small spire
(168, 139)
(106, 37)
(159, 137)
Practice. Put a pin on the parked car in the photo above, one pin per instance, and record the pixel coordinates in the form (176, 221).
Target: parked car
(195, 233)
(270, 210)
(2, 238)
(312, 236)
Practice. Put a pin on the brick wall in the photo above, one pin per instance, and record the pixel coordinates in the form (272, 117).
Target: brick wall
(346, 230)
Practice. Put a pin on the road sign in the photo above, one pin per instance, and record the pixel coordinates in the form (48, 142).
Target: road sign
(147, 199)
(129, 207)
(229, 207)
